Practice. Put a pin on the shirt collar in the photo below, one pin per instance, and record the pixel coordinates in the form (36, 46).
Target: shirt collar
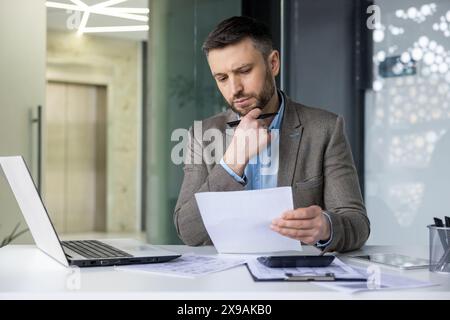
(276, 122)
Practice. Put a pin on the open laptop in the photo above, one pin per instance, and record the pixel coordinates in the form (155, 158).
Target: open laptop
(84, 253)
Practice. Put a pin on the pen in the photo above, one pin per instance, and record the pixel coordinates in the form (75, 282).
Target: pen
(443, 261)
(438, 223)
(262, 116)
(447, 222)
(447, 225)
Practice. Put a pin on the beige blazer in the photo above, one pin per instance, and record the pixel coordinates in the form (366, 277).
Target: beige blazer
(314, 159)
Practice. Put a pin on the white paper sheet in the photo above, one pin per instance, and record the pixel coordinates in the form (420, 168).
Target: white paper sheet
(188, 265)
(376, 282)
(239, 221)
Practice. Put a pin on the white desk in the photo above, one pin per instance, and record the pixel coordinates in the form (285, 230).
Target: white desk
(26, 272)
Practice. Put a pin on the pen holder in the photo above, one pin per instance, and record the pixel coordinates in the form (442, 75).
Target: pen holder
(439, 249)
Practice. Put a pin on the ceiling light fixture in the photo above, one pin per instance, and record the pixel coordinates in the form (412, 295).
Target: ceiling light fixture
(115, 29)
(104, 8)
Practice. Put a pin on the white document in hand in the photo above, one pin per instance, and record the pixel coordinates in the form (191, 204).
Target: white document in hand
(239, 221)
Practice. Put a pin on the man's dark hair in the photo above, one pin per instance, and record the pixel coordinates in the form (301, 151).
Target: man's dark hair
(235, 29)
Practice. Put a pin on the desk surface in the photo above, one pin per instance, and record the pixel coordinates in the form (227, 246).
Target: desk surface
(26, 272)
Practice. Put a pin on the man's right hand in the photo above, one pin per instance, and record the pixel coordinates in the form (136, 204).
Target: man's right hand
(250, 138)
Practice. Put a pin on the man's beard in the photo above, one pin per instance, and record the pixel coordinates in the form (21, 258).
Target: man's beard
(262, 99)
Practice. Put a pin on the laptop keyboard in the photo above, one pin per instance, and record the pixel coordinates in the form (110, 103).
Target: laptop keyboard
(94, 249)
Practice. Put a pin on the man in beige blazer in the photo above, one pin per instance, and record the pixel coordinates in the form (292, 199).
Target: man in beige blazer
(314, 157)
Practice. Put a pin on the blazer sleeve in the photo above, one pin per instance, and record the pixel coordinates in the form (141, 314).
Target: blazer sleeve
(198, 178)
(342, 195)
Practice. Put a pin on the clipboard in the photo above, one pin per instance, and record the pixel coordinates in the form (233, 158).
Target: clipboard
(306, 278)
(294, 275)
(325, 277)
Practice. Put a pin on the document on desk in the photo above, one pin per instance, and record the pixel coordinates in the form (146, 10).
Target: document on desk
(338, 268)
(239, 221)
(188, 266)
(376, 280)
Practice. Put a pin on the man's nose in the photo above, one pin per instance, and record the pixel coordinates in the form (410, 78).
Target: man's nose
(236, 86)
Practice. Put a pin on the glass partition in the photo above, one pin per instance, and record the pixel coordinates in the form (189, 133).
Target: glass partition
(181, 90)
(408, 121)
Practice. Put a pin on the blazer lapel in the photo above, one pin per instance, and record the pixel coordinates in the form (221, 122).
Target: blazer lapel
(290, 136)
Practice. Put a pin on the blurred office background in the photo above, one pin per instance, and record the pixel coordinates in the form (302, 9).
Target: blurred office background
(92, 110)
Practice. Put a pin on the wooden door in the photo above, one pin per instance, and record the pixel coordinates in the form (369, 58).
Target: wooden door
(75, 162)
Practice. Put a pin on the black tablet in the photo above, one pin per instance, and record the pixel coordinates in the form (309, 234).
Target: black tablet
(296, 261)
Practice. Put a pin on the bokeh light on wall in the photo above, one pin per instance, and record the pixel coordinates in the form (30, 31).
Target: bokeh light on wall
(407, 198)
(443, 25)
(411, 111)
(413, 150)
(418, 15)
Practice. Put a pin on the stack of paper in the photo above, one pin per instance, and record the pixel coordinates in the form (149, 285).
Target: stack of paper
(189, 265)
(374, 278)
(339, 269)
(239, 221)
(376, 281)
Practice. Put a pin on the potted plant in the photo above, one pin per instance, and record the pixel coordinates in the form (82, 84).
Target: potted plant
(14, 235)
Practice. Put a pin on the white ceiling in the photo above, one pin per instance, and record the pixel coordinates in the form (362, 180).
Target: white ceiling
(57, 19)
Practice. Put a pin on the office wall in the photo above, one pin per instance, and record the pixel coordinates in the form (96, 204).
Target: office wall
(320, 60)
(408, 123)
(116, 64)
(22, 88)
(269, 12)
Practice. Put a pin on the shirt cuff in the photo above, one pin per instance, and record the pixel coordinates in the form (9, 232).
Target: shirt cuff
(321, 244)
(242, 180)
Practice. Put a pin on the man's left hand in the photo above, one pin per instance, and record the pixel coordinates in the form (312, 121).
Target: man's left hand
(309, 225)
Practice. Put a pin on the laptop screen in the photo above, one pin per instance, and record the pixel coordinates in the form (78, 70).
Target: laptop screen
(32, 208)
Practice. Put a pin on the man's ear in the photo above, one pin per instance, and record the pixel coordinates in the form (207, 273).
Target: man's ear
(273, 61)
